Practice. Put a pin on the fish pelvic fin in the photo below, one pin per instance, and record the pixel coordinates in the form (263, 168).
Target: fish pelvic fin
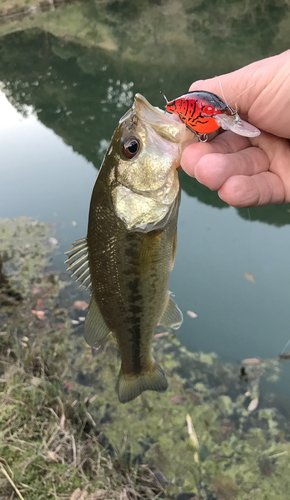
(130, 387)
(96, 330)
(79, 263)
(172, 315)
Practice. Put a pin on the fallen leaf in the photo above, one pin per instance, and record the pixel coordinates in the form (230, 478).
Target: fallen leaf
(251, 361)
(250, 277)
(79, 495)
(36, 381)
(38, 314)
(162, 334)
(178, 399)
(53, 241)
(195, 398)
(61, 326)
(52, 456)
(192, 436)
(69, 385)
(286, 355)
(62, 421)
(81, 304)
(75, 322)
(191, 314)
(99, 494)
(253, 404)
(82, 318)
(76, 494)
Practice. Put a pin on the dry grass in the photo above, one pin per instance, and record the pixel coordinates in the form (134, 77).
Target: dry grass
(50, 446)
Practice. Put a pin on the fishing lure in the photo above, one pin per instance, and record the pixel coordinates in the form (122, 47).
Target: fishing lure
(204, 112)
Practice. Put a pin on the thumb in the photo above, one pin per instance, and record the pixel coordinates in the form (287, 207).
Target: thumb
(259, 92)
(236, 88)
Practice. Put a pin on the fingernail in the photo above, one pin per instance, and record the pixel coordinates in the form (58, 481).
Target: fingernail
(196, 173)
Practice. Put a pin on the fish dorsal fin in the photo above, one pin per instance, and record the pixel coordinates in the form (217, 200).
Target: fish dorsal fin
(79, 263)
(96, 330)
(172, 315)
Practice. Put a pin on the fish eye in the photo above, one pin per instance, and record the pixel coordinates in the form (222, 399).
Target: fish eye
(131, 146)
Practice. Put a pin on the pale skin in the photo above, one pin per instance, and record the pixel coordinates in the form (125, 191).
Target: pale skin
(256, 171)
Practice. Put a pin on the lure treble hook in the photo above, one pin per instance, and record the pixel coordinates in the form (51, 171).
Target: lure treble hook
(166, 100)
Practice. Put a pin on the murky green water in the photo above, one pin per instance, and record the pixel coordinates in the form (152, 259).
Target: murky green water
(72, 78)
(68, 76)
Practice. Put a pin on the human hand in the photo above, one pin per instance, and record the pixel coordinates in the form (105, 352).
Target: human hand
(248, 171)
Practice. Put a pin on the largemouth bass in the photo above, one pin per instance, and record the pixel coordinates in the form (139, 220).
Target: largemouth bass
(129, 251)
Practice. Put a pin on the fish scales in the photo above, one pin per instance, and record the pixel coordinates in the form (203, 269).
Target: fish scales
(131, 243)
(130, 301)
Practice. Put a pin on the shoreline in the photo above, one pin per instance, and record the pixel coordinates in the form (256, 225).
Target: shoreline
(10, 10)
(63, 432)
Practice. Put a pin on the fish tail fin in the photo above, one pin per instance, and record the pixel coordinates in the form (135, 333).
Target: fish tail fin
(131, 386)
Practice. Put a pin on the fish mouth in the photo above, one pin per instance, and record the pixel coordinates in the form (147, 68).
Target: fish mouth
(167, 125)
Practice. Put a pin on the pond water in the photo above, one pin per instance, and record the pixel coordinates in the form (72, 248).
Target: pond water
(69, 75)
(63, 101)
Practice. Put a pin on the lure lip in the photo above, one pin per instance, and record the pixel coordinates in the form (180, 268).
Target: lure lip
(237, 125)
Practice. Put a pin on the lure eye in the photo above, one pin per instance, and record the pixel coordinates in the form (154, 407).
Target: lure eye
(208, 110)
(131, 146)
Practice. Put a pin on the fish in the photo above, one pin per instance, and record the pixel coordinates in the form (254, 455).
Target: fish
(204, 112)
(129, 251)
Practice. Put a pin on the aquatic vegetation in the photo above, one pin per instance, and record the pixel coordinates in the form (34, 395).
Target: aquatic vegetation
(48, 442)
(23, 252)
(63, 431)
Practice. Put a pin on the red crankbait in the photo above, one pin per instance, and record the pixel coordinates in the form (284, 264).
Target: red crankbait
(204, 112)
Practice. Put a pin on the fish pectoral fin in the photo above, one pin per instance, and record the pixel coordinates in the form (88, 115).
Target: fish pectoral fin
(96, 330)
(172, 315)
(131, 386)
(79, 263)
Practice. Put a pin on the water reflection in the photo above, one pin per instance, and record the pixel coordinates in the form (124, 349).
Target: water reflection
(81, 92)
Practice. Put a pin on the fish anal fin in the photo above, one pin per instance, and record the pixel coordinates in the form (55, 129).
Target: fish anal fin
(96, 330)
(130, 386)
(172, 315)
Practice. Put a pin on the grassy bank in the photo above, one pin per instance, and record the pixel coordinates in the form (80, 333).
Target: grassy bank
(63, 433)
(50, 446)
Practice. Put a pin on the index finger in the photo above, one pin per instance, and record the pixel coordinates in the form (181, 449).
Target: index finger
(224, 143)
